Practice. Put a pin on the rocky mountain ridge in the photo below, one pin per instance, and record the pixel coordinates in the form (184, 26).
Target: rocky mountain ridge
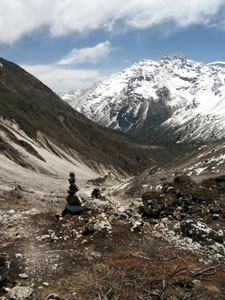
(175, 100)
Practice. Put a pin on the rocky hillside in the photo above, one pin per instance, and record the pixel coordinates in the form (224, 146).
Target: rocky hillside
(175, 100)
(157, 236)
(31, 114)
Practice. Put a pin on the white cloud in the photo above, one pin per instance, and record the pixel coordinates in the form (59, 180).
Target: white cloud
(183, 13)
(77, 56)
(61, 79)
(19, 17)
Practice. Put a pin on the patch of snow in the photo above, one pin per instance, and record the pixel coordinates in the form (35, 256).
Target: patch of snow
(195, 97)
(123, 186)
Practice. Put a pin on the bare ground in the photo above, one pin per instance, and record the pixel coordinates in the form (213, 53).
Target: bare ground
(59, 255)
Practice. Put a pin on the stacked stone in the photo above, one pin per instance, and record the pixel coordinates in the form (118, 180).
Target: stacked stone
(74, 204)
(72, 199)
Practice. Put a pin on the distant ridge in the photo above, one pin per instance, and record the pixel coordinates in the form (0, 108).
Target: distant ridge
(173, 101)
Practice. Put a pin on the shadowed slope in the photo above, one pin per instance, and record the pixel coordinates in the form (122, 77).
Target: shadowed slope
(35, 108)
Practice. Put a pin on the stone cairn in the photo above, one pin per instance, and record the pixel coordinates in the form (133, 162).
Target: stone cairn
(73, 189)
(73, 201)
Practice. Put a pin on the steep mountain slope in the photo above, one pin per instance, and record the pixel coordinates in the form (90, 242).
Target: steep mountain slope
(28, 106)
(173, 100)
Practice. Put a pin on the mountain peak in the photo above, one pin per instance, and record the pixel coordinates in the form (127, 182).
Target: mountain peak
(175, 100)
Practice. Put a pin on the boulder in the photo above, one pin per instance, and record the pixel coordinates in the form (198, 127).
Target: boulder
(154, 204)
(53, 297)
(75, 208)
(73, 200)
(20, 293)
(96, 193)
(199, 231)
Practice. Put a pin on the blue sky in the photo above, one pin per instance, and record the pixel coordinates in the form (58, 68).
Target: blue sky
(70, 44)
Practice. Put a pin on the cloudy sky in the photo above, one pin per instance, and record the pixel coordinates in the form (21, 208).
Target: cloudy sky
(70, 44)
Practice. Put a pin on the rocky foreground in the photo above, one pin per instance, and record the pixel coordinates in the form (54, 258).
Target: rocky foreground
(167, 243)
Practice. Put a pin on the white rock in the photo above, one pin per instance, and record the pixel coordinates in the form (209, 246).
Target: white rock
(23, 276)
(46, 284)
(20, 293)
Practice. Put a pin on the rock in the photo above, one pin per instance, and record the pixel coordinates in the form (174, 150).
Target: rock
(52, 236)
(176, 227)
(72, 188)
(96, 193)
(58, 215)
(200, 231)
(178, 213)
(4, 267)
(215, 210)
(73, 200)
(164, 220)
(53, 297)
(215, 216)
(157, 235)
(20, 293)
(98, 224)
(45, 284)
(73, 209)
(40, 287)
(153, 204)
(23, 276)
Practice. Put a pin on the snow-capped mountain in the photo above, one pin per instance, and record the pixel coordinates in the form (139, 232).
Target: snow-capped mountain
(173, 100)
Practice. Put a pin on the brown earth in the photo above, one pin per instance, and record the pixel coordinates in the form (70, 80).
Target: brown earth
(59, 255)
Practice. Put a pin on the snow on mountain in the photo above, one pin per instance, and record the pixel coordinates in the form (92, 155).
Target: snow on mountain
(176, 98)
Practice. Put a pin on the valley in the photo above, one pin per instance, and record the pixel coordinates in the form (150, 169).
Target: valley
(156, 232)
(115, 248)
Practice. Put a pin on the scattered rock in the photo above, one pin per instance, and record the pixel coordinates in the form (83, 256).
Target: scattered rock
(200, 231)
(100, 223)
(52, 236)
(154, 204)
